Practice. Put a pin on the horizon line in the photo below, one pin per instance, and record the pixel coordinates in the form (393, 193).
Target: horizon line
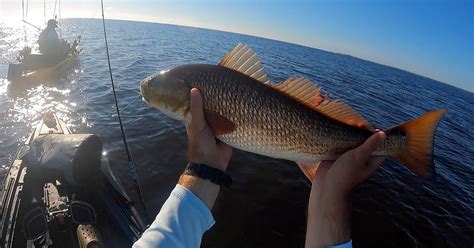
(283, 41)
(277, 40)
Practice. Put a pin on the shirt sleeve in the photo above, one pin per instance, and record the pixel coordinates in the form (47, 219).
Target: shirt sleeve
(181, 222)
(348, 244)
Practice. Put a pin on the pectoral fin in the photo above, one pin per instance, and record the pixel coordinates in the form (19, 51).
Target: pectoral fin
(309, 170)
(218, 123)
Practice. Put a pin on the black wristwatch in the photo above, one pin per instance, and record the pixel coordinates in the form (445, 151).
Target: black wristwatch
(208, 173)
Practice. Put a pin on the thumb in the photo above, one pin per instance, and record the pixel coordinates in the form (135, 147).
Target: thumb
(363, 152)
(197, 113)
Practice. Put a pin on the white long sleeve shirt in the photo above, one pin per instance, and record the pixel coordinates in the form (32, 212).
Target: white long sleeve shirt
(181, 222)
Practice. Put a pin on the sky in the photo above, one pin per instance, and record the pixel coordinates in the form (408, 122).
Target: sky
(432, 38)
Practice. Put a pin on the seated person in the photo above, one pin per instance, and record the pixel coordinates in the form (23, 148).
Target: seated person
(48, 40)
(50, 44)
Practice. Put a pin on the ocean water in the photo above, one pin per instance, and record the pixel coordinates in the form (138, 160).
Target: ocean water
(266, 206)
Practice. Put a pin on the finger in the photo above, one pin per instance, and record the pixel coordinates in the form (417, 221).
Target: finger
(375, 161)
(363, 152)
(372, 165)
(197, 113)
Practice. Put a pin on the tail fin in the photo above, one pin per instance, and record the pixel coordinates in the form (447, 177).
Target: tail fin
(418, 151)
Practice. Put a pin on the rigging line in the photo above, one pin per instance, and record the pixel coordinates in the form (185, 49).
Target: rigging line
(23, 11)
(131, 165)
(26, 9)
(29, 23)
(54, 11)
(23, 8)
(88, 22)
(133, 101)
(59, 19)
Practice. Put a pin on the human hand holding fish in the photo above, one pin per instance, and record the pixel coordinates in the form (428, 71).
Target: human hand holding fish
(329, 208)
(329, 204)
(203, 148)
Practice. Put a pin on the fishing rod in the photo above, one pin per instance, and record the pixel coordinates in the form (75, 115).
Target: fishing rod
(131, 164)
(25, 21)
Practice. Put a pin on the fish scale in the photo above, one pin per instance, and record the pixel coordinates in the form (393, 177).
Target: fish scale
(291, 131)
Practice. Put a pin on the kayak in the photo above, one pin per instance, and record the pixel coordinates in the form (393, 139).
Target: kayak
(61, 192)
(38, 67)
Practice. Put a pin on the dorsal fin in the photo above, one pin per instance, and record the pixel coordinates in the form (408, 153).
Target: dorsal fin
(244, 60)
(308, 93)
(301, 89)
(345, 113)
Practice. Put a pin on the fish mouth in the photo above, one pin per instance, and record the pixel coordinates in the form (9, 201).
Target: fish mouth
(152, 98)
(146, 89)
(144, 84)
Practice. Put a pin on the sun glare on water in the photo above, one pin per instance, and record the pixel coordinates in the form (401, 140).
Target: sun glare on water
(26, 106)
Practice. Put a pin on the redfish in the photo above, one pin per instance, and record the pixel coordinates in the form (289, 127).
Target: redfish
(289, 120)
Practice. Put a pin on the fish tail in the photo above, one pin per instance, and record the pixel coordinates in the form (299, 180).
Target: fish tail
(417, 153)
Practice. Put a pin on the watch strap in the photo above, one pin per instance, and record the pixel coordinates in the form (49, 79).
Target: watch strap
(207, 172)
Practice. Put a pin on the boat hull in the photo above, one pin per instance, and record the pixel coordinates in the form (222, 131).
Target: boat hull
(43, 183)
(39, 68)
